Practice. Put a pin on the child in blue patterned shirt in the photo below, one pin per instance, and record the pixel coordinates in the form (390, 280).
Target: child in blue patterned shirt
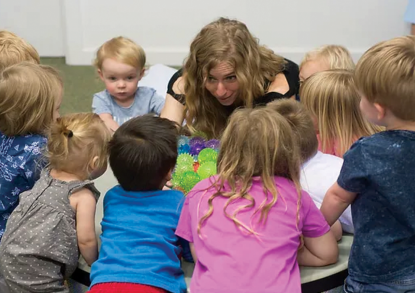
(30, 96)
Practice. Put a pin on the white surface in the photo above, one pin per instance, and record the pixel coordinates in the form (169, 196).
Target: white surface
(308, 274)
(158, 77)
(39, 22)
(291, 28)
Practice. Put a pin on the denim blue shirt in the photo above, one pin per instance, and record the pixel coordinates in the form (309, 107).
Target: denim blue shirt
(146, 100)
(20, 165)
(381, 170)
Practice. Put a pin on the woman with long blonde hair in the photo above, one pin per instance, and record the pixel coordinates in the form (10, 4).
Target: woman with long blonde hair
(227, 68)
(333, 101)
(245, 224)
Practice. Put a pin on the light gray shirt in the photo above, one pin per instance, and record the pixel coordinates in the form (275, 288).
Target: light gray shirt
(146, 100)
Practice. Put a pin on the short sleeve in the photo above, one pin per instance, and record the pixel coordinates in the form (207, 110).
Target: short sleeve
(184, 227)
(101, 104)
(314, 223)
(180, 98)
(292, 74)
(353, 175)
(156, 103)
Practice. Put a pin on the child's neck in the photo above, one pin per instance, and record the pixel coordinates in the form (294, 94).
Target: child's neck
(401, 125)
(124, 103)
(65, 176)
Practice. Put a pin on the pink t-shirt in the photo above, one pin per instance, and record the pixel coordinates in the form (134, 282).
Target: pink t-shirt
(230, 260)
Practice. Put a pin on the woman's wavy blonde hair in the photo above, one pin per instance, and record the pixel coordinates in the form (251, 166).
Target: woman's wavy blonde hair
(332, 98)
(256, 143)
(74, 141)
(229, 41)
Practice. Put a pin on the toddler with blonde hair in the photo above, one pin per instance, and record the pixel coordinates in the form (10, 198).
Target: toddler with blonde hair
(14, 49)
(377, 177)
(30, 97)
(333, 102)
(318, 170)
(325, 58)
(230, 219)
(40, 246)
(120, 63)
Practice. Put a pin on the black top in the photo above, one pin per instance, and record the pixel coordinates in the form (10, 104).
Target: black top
(290, 71)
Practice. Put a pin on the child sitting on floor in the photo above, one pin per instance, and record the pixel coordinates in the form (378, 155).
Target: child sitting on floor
(325, 58)
(40, 246)
(333, 102)
(245, 225)
(318, 171)
(139, 250)
(120, 63)
(377, 177)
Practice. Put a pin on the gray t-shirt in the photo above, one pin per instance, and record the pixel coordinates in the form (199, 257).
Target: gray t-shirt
(146, 100)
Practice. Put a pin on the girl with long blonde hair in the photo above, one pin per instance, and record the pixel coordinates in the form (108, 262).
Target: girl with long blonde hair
(40, 246)
(227, 68)
(333, 101)
(244, 225)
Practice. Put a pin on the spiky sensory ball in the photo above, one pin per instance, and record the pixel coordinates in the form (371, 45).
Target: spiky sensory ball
(196, 161)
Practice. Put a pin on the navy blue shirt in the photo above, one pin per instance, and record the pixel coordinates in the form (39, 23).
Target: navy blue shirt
(21, 160)
(381, 170)
(138, 241)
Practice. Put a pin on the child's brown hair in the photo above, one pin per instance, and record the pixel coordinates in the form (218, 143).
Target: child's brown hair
(301, 123)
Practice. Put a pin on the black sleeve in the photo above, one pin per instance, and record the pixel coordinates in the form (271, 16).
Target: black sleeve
(291, 72)
(179, 97)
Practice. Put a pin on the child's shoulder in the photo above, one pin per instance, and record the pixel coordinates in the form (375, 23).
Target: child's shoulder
(146, 92)
(23, 145)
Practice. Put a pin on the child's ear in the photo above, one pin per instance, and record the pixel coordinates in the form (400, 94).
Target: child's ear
(141, 74)
(168, 176)
(381, 111)
(100, 74)
(94, 163)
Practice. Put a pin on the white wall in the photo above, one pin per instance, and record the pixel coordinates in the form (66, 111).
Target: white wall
(165, 28)
(37, 21)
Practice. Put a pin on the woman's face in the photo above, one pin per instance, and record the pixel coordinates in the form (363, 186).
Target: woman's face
(221, 82)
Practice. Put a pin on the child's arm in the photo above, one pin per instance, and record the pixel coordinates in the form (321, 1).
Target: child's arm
(318, 251)
(193, 251)
(85, 225)
(335, 202)
(109, 121)
(337, 230)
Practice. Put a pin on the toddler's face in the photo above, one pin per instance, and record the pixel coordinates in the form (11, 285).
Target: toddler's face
(311, 67)
(120, 80)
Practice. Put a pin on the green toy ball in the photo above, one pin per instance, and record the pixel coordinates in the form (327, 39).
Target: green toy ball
(207, 169)
(182, 168)
(207, 155)
(185, 159)
(188, 180)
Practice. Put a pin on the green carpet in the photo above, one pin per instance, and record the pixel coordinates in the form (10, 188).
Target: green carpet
(80, 83)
